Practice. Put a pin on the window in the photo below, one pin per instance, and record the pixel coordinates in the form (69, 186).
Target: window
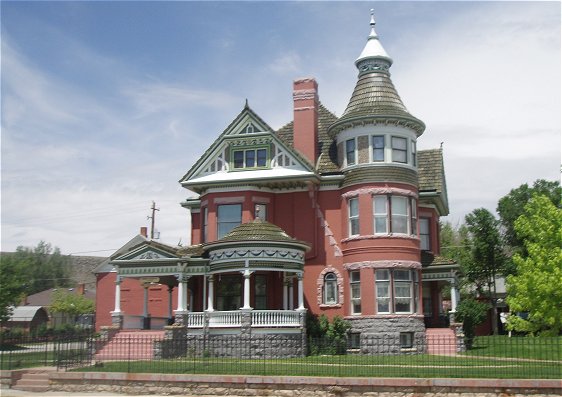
(406, 340)
(383, 291)
(260, 292)
(378, 148)
(350, 151)
(425, 244)
(228, 292)
(330, 292)
(252, 158)
(396, 291)
(260, 211)
(355, 283)
(413, 148)
(399, 150)
(399, 219)
(403, 291)
(381, 214)
(228, 217)
(353, 216)
(414, 217)
(354, 340)
(204, 215)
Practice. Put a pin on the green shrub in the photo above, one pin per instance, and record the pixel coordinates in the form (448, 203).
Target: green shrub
(471, 312)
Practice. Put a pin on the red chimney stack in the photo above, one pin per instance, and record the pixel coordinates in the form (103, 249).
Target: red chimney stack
(144, 231)
(305, 127)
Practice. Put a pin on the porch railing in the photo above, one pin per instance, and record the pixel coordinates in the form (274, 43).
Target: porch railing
(275, 318)
(260, 318)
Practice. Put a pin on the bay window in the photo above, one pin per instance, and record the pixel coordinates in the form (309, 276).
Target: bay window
(394, 214)
(396, 291)
(380, 213)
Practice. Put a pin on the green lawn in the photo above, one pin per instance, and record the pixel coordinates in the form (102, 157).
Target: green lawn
(538, 348)
(347, 366)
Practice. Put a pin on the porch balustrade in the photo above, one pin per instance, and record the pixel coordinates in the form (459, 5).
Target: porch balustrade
(232, 319)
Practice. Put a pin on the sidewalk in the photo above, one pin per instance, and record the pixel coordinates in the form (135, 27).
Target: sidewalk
(21, 393)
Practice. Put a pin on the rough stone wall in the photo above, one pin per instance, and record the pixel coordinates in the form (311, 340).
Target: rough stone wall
(382, 335)
(363, 149)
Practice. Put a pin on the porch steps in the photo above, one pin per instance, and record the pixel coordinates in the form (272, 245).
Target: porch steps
(441, 341)
(33, 381)
(130, 345)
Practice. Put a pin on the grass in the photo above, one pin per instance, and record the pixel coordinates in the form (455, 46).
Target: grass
(346, 366)
(524, 347)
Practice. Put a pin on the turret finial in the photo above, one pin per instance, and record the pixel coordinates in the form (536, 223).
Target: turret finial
(372, 23)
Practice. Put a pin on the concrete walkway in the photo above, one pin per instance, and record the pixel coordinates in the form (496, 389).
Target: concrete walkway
(21, 393)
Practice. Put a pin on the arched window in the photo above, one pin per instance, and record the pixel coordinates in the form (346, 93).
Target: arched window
(330, 295)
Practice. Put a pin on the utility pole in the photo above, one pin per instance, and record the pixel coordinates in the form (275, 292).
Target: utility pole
(152, 218)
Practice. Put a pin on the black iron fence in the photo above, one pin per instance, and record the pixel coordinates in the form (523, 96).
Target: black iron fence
(489, 357)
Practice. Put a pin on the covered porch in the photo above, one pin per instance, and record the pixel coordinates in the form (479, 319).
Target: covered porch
(440, 292)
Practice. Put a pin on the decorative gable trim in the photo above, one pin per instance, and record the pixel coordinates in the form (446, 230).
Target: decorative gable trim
(146, 252)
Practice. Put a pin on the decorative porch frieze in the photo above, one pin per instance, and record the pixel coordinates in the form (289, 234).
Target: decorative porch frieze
(382, 265)
(268, 253)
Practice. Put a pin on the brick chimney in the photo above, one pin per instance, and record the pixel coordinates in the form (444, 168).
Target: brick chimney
(305, 129)
(144, 231)
(81, 289)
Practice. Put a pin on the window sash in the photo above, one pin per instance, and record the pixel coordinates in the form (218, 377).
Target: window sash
(380, 212)
(228, 217)
(413, 149)
(353, 204)
(378, 148)
(355, 287)
(350, 151)
(396, 291)
(204, 228)
(251, 158)
(399, 217)
(399, 149)
(425, 243)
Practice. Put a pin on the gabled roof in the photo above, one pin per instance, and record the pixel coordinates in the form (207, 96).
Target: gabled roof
(106, 267)
(232, 132)
(148, 249)
(45, 298)
(328, 160)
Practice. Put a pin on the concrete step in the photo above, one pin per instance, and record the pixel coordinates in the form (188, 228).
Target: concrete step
(37, 382)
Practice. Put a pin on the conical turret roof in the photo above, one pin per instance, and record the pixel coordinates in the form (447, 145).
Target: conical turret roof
(375, 96)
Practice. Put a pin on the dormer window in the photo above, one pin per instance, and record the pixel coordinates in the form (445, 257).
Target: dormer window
(250, 129)
(249, 158)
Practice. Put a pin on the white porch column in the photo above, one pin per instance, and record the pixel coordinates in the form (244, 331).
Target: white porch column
(185, 293)
(285, 293)
(246, 273)
(117, 295)
(181, 294)
(454, 296)
(300, 291)
(210, 293)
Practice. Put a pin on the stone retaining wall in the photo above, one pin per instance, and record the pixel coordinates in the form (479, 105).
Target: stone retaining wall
(284, 386)
(382, 335)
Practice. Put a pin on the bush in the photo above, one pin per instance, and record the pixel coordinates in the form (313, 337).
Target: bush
(325, 337)
(471, 312)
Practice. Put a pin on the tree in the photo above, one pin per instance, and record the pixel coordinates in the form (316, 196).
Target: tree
(536, 288)
(487, 260)
(71, 304)
(42, 267)
(512, 206)
(455, 243)
(11, 287)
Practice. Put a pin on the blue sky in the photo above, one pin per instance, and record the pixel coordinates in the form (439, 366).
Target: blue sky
(105, 105)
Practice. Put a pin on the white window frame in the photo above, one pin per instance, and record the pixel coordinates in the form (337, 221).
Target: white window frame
(330, 284)
(347, 151)
(394, 216)
(387, 278)
(425, 234)
(353, 218)
(204, 224)
(382, 278)
(383, 148)
(355, 291)
(413, 153)
(380, 215)
(233, 224)
(396, 150)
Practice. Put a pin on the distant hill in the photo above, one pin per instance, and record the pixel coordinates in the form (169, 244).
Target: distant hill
(81, 269)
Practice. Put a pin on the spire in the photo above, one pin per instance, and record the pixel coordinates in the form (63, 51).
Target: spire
(374, 98)
(373, 55)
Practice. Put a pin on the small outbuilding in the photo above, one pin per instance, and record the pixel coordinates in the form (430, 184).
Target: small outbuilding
(28, 318)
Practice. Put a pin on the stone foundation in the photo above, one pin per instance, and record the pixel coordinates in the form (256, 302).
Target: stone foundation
(381, 335)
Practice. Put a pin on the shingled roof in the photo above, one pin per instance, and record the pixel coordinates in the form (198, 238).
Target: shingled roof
(257, 230)
(328, 160)
(430, 170)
